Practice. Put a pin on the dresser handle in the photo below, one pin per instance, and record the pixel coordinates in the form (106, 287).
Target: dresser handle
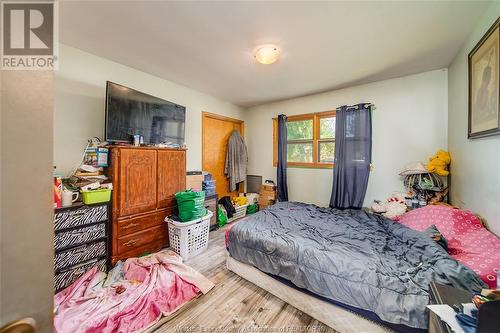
(130, 242)
(130, 225)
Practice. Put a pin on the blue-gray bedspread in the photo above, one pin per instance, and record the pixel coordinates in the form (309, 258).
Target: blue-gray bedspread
(350, 256)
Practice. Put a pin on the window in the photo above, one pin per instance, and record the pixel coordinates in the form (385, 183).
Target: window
(310, 140)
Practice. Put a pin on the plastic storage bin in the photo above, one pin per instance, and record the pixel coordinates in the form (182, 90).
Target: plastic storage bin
(241, 211)
(96, 196)
(189, 238)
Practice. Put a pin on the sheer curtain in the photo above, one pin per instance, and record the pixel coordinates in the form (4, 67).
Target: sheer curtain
(281, 172)
(353, 155)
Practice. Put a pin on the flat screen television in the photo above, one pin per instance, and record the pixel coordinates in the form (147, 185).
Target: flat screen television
(130, 112)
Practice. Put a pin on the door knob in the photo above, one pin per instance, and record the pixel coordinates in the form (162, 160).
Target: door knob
(25, 325)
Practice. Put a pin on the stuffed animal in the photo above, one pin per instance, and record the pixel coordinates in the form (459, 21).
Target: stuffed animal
(438, 163)
(438, 197)
(391, 208)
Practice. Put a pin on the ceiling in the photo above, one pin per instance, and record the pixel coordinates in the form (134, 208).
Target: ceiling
(208, 46)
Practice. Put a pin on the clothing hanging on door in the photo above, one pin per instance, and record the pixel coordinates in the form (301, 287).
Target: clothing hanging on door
(235, 167)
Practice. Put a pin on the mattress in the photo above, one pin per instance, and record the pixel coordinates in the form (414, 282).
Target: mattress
(358, 259)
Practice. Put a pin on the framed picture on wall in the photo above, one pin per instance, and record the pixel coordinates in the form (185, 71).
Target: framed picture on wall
(484, 85)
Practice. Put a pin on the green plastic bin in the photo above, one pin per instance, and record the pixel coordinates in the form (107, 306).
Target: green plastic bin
(96, 196)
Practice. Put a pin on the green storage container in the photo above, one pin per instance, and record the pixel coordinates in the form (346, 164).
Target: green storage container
(252, 209)
(191, 205)
(96, 196)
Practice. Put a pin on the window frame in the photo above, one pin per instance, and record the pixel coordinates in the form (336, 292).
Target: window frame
(315, 117)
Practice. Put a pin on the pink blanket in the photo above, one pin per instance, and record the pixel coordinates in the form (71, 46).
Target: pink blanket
(151, 286)
(468, 240)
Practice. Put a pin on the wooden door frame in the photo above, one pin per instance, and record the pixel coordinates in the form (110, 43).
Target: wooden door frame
(205, 115)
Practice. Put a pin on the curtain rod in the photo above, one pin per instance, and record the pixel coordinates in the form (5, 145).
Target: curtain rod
(366, 105)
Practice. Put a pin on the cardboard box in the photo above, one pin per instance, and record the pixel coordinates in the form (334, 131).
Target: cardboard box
(267, 195)
(194, 182)
(265, 204)
(266, 200)
(267, 187)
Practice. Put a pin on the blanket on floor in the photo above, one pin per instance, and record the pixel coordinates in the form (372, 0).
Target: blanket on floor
(131, 298)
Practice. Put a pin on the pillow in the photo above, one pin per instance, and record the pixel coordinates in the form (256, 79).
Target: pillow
(434, 233)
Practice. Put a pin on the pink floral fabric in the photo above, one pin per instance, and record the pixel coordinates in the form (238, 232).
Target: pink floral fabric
(152, 286)
(468, 240)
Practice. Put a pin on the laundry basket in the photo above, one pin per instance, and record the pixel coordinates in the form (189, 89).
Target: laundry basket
(189, 238)
(241, 211)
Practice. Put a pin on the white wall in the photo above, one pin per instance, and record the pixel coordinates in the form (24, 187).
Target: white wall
(409, 124)
(475, 182)
(79, 104)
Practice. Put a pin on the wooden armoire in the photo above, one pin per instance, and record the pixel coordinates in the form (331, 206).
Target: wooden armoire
(145, 180)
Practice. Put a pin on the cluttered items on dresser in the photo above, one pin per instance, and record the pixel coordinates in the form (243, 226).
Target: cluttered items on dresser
(456, 310)
(82, 217)
(424, 184)
(88, 182)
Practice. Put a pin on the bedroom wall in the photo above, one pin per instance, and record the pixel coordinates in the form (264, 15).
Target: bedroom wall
(79, 104)
(475, 181)
(409, 124)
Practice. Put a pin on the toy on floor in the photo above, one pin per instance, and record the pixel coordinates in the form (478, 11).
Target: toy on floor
(391, 208)
(438, 163)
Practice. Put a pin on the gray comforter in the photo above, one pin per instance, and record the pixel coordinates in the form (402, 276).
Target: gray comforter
(359, 259)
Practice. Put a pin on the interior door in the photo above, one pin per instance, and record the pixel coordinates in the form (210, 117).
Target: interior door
(27, 229)
(137, 181)
(171, 176)
(216, 132)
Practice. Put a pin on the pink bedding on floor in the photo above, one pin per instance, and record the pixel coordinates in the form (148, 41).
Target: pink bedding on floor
(468, 240)
(151, 286)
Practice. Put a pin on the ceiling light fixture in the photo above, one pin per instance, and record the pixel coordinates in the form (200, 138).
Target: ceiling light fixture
(267, 54)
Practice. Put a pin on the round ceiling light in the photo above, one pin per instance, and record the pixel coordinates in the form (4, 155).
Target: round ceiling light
(267, 54)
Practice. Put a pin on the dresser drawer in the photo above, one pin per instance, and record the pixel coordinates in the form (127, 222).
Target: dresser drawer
(79, 236)
(79, 254)
(67, 277)
(79, 217)
(136, 224)
(138, 239)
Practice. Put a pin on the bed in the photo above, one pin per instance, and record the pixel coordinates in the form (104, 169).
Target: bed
(352, 261)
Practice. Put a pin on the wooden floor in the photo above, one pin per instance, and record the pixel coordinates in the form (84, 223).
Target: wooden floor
(234, 304)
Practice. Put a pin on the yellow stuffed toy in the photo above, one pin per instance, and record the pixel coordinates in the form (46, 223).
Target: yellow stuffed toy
(438, 163)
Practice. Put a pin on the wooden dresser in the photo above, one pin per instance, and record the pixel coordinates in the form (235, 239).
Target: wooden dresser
(145, 181)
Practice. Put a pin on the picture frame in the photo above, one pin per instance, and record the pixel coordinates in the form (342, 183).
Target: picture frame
(484, 85)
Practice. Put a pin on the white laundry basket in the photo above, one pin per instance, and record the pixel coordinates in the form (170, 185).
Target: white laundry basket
(189, 238)
(241, 211)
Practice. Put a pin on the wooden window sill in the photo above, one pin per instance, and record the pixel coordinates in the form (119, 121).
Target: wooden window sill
(308, 165)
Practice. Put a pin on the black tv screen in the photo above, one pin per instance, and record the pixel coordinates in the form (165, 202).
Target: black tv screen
(130, 112)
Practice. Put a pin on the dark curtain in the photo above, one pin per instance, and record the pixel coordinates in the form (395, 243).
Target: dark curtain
(281, 177)
(353, 155)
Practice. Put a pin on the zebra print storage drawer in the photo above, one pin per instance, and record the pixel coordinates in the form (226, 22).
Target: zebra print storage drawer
(78, 236)
(80, 216)
(81, 241)
(65, 278)
(79, 254)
